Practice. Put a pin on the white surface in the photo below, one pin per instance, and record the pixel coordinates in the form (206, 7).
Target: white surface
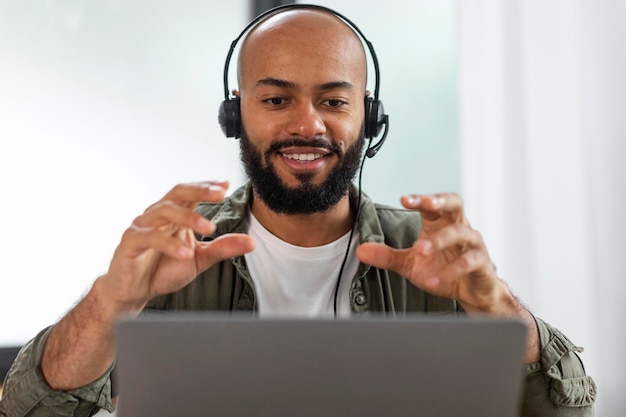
(103, 108)
(542, 96)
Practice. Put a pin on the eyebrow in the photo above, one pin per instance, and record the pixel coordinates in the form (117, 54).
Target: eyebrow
(270, 81)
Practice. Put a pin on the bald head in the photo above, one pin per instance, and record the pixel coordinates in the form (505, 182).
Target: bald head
(294, 38)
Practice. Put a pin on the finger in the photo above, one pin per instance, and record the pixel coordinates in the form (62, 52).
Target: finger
(455, 235)
(224, 247)
(470, 262)
(474, 262)
(168, 213)
(210, 191)
(381, 256)
(189, 195)
(449, 205)
(400, 261)
(136, 241)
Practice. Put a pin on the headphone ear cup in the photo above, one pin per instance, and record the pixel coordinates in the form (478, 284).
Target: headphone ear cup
(374, 117)
(229, 118)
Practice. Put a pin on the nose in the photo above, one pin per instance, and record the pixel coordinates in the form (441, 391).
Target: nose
(305, 121)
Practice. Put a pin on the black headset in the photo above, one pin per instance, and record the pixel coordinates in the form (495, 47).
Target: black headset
(229, 115)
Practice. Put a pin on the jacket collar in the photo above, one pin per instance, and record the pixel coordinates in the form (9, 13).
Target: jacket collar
(233, 216)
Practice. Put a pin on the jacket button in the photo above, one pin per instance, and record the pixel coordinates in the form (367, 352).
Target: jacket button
(360, 299)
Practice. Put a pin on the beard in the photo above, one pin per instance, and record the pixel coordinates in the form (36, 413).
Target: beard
(306, 197)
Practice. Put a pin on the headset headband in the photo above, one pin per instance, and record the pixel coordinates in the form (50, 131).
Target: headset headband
(278, 9)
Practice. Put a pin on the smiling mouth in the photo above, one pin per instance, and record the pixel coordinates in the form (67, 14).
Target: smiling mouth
(303, 157)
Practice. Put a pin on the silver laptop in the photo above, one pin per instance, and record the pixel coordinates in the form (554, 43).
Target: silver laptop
(229, 366)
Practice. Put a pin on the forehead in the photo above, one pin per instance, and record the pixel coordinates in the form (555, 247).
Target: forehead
(302, 45)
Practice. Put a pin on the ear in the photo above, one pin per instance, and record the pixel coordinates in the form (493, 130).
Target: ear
(236, 93)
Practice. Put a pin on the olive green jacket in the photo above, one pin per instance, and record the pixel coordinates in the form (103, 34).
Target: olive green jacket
(556, 386)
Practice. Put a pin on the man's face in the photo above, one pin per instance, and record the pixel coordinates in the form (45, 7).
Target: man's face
(302, 88)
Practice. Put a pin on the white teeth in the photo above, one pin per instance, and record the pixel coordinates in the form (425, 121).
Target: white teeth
(304, 156)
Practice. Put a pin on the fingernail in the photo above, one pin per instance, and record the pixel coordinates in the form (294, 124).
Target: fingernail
(412, 200)
(204, 224)
(433, 282)
(438, 202)
(425, 246)
(213, 187)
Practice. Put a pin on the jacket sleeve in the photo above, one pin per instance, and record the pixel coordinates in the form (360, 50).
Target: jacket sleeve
(26, 392)
(557, 386)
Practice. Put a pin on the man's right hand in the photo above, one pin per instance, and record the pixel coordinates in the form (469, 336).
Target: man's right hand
(159, 253)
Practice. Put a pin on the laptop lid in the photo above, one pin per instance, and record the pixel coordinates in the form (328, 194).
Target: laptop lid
(229, 366)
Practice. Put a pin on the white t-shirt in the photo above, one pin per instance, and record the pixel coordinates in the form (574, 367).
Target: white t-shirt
(292, 281)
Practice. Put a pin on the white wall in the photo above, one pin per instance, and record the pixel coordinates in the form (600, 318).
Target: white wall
(103, 107)
(542, 97)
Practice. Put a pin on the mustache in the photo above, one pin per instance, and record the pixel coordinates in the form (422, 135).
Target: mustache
(295, 142)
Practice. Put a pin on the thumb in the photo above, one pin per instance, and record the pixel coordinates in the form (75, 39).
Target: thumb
(380, 255)
(224, 247)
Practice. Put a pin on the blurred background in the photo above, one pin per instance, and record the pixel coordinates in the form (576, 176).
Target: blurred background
(516, 105)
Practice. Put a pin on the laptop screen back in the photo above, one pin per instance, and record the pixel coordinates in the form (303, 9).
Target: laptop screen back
(208, 365)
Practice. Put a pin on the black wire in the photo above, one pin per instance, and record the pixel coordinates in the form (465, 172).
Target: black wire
(354, 226)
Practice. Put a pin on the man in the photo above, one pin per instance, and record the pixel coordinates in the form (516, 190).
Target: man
(302, 82)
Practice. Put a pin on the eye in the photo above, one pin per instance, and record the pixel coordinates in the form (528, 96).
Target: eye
(333, 102)
(276, 101)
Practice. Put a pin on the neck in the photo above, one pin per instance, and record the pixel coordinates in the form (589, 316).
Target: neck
(306, 230)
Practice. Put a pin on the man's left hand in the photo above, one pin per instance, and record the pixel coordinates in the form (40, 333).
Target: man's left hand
(449, 259)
